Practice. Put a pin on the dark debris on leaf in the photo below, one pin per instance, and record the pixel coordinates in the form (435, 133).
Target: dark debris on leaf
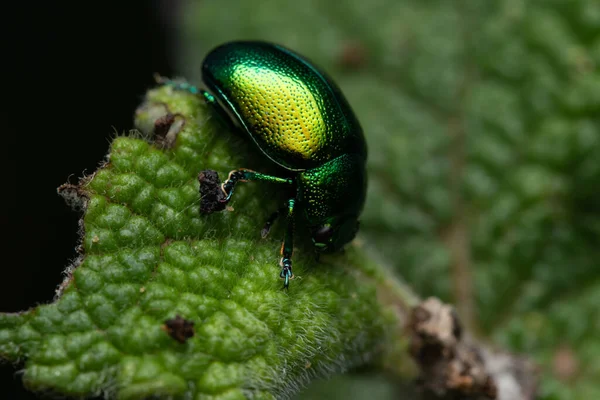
(162, 124)
(212, 198)
(74, 195)
(179, 328)
(166, 129)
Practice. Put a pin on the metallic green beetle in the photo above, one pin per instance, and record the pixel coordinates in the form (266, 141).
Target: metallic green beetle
(298, 118)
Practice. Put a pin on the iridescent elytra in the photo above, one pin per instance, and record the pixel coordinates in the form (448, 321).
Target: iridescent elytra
(299, 118)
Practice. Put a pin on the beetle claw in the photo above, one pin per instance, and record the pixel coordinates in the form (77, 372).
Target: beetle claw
(264, 232)
(286, 273)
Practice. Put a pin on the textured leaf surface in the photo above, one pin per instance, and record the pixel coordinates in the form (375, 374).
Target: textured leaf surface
(483, 125)
(148, 256)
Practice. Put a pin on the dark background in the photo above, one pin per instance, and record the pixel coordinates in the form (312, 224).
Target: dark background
(72, 76)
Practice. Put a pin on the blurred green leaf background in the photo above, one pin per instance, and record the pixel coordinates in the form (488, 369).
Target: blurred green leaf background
(483, 125)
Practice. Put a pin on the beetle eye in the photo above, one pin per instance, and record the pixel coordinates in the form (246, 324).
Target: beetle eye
(323, 234)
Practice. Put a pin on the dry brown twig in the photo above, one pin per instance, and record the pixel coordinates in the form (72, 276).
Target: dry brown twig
(453, 364)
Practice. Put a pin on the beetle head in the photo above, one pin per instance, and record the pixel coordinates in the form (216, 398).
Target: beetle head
(333, 234)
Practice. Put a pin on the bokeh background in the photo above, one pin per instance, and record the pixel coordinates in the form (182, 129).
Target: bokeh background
(483, 125)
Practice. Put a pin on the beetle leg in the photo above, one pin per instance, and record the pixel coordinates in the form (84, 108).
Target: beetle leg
(272, 218)
(245, 175)
(287, 247)
(264, 232)
(188, 87)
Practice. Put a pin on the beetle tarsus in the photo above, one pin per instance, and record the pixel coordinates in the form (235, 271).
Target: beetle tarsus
(286, 272)
(177, 85)
(235, 176)
(287, 247)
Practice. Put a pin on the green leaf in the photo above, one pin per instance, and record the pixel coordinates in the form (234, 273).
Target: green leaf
(152, 269)
(482, 120)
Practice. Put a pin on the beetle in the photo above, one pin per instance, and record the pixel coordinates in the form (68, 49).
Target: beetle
(299, 118)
